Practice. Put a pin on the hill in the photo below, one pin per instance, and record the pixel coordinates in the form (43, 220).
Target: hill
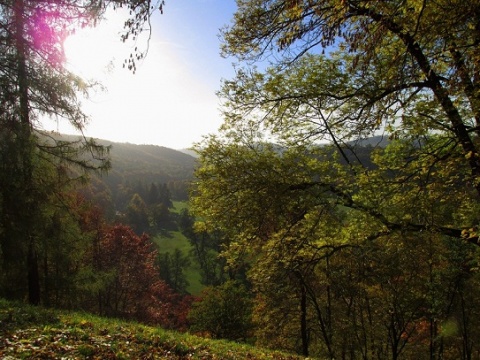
(134, 168)
(151, 162)
(35, 333)
(147, 162)
(134, 165)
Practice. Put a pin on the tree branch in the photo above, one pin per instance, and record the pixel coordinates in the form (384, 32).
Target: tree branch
(435, 81)
(346, 200)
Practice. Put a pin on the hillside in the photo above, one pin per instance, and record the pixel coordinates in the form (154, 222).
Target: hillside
(135, 168)
(35, 333)
(146, 164)
(154, 163)
(150, 162)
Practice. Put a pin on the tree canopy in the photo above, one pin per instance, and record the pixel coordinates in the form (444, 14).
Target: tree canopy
(407, 70)
(393, 63)
(369, 236)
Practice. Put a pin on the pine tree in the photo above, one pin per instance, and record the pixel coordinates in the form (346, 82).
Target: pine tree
(34, 82)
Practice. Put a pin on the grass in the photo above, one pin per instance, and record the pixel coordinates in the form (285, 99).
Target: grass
(176, 240)
(173, 240)
(178, 206)
(36, 333)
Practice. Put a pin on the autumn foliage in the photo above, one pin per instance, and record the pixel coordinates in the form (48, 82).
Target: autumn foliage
(132, 287)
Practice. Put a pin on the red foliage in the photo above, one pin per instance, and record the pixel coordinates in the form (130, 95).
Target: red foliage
(90, 217)
(168, 309)
(133, 288)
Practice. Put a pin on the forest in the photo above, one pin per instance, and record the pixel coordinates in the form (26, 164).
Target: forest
(335, 215)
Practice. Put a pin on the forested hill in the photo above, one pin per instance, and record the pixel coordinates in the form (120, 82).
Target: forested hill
(149, 163)
(142, 165)
(146, 163)
(133, 163)
(136, 167)
(134, 170)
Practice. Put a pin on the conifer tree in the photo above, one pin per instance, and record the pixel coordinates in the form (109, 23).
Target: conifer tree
(34, 82)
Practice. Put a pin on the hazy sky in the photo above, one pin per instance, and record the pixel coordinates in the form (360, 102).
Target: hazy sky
(171, 100)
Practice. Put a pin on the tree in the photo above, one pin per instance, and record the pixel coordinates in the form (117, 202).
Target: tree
(153, 195)
(162, 219)
(409, 68)
(25, 265)
(129, 261)
(164, 196)
(137, 215)
(172, 268)
(397, 68)
(35, 82)
(224, 312)
(206, 248)
(332, 280)
(132, 287)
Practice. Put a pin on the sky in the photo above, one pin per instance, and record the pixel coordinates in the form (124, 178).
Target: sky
(170, 101)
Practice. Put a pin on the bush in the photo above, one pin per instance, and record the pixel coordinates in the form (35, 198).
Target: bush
(223, 312)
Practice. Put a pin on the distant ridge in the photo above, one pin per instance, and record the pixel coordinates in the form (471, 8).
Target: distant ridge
(149, 163)
(154, 163)
(146, 163)
(189, 152)
(374, 141)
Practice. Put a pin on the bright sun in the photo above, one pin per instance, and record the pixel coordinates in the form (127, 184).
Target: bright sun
(91, 51)
(165, 102)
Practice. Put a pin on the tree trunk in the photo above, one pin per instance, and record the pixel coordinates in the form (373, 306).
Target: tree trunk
(33, 275)
(25, 151)
(303, 320)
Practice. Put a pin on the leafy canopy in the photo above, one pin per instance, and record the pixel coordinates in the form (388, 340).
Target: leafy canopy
(322, 220)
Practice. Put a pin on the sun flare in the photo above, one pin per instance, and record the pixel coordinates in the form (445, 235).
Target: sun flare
(164, 102)
(95, 52)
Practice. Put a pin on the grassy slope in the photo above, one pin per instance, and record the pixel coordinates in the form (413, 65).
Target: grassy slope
(176, 240)
(36, 333)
